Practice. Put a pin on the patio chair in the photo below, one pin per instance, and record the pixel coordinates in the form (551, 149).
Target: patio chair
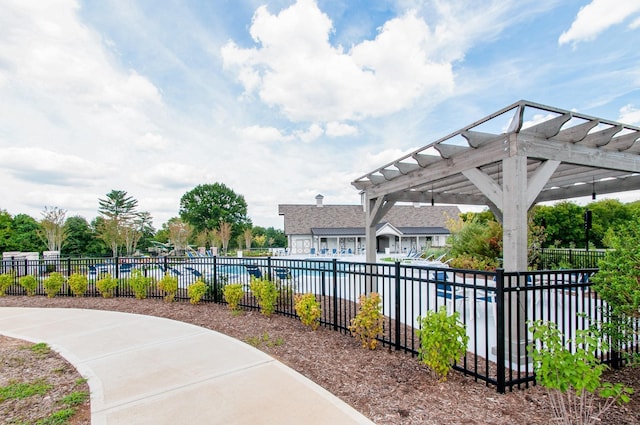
(282, 273)
(254, 271)
(448, 292)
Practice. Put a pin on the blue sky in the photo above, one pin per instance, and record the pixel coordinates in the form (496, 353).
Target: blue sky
(279, 100)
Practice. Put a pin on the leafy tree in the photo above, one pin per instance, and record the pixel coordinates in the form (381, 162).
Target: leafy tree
(476, 240)
(135, 229)
(6, 230)
(208, 205)
(606, 214)
(82, 240)
(272, 236)
(563, 224)
(25, 234)
(179, 234)
(618, 278)
(53, 230)
(118, 211)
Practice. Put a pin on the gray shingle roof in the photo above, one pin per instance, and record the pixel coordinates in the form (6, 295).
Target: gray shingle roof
(300, 219)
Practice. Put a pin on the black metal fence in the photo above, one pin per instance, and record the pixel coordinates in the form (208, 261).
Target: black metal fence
(495, 307)
(555, 258)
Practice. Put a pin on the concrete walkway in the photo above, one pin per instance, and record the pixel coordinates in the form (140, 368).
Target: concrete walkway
(149, 370)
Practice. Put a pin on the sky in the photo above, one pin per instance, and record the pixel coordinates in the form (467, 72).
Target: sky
(279, 100)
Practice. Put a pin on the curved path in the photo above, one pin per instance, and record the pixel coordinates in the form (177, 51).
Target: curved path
(150, 370)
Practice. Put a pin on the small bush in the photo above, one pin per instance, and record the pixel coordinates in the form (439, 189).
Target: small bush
(29, 283)
(107, 285)
(367, 325)
(53, 284)
(139, 284)
(169, 285)
(233, 294)
(196, 291)
(443, 341)
(266, 293)
(5, 281)
(573, 378)
(78, 284)
(308, 308)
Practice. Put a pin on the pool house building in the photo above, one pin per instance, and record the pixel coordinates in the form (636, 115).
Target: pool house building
(319, 229)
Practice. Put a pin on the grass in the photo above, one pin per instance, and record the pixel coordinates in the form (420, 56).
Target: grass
(20, 390)
(67, 405)
(265, 339)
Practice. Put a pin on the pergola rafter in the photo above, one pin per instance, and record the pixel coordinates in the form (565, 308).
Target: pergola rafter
(541, 154)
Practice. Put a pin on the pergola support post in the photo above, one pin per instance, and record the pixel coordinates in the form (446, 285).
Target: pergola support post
(515, 234)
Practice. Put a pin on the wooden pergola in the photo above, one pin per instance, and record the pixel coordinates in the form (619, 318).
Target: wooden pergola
(508, 161)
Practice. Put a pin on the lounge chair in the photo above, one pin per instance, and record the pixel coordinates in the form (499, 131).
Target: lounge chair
(445, 290)
(254, 271)
(282, 273)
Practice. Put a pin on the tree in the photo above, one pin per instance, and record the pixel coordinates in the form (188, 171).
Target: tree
(52, 225)
(606, 214)
(6, 230)
(248, 236)
(563, 224)
(208, 205)
(179, 234)
(617, 280)
(118, 211)
(25, 234)
(275, 237)
(225, 235)
(134, 229)
(81, 239)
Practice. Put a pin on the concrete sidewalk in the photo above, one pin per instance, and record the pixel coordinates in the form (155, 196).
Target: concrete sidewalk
(149, 370)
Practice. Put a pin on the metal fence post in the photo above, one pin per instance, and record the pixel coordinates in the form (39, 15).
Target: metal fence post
(335, 294)
(216, 295)
(500, 342)
(397, 306)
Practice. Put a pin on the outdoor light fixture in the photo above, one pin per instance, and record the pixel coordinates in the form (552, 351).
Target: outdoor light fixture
(432, 201)
(593, 188)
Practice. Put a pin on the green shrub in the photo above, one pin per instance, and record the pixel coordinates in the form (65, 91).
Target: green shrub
(29, 283)
(196, 291)
(107, 285)
(139, 284)
(308, 308)
(266, 293)
(53, 284)
(78, 284)
(169, 285)
(443, 341)
(6, 280)
(573, 378)
(367, 325)
(233, 294)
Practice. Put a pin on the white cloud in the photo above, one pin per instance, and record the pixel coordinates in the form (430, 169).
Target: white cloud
(297, 69)
(311, 134)
(171, 175)
(598, 16)
(152, 142)
(629, 114)
(46, 167)
(336, 129)
(258, 133)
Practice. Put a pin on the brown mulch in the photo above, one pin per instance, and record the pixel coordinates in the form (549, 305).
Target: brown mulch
(387, 386)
